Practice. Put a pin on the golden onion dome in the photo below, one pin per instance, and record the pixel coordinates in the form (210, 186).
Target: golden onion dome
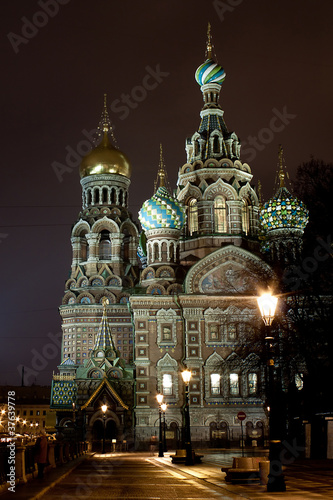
(105, 159)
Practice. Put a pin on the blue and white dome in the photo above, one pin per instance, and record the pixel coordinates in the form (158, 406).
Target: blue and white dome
(210, 72)
(162, 210)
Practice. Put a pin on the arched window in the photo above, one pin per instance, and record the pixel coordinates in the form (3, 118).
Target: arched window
(113, 196)
(156, 252)
(96, 196)
(125, 246)
(220, 214)
(164, 252)
(89, 197)
(192, 216)
(216, 146)
(245, 217)
(215, 379)
(105, 195)
(84, 248)
(105, 246)
(167, 384)
(253, 383)
(234, 384)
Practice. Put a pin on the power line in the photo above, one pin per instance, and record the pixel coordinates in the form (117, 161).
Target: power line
(37, 225)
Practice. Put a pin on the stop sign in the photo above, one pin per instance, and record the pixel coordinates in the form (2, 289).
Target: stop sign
(241, 415)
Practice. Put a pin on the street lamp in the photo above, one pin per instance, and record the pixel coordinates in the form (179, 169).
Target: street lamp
(186, 374)
(267, 304)
(159, 398)
(104, 408)
(163, 408)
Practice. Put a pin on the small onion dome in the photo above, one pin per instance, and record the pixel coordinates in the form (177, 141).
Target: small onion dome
(105, 159)
(284, 211)
(210, 72)
(162, 210)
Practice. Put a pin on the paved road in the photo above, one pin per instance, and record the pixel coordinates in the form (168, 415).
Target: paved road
(127, 477)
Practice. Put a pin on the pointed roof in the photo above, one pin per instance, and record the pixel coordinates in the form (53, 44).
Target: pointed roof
(162, 176)
(105, 158)
(210, 71)
(104, 339)
(161, 210)
(67, 361)
(95, 394)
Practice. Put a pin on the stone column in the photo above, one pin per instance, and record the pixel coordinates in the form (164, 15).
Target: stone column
(76, 247)
(20, 464)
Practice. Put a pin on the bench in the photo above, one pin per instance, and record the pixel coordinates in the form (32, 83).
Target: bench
(180, 457)
(244, 469)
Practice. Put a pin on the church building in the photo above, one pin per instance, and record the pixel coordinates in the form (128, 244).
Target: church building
(143, 304)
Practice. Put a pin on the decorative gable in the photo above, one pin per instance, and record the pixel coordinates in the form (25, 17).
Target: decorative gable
(229, 271)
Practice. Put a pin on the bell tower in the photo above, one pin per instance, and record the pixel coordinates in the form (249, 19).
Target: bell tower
(214, 185)
(104, 241)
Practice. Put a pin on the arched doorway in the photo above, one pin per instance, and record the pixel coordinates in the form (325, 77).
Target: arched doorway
(219, 434)
(110, 430)
(172, 436)
(255, 434)
(98, 433)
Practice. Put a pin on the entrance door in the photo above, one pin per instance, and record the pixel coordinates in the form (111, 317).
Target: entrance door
(219, 435)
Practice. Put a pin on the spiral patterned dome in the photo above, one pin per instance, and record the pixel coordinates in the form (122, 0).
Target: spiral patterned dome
(210, 72)
(162, 210)
(284, 211)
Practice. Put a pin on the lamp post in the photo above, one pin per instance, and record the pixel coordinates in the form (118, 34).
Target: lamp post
(159, 398)
(104, 408)
(163, 408)
(267, 304)
(186, 375)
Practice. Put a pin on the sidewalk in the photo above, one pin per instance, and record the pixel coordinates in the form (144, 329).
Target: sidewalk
(36, 488)
(305, 479)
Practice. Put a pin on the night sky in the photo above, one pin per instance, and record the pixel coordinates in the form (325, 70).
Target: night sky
(278, 60)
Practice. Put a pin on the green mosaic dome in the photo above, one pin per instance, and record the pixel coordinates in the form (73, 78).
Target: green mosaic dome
(284, 211)
(162, 210)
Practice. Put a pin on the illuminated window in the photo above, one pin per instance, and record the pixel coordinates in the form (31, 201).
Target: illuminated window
(234, 384)
(192, 216)
(105, 246)
(215, 380)
(220, 214)
(253, 383)
(166, 333)
(167, 384)
(232, 332)
(213, 332)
